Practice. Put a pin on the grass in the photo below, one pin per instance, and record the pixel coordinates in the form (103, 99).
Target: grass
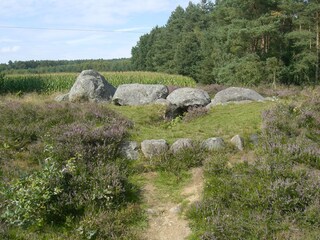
(221, 121)
(169, 186)
(273, 195)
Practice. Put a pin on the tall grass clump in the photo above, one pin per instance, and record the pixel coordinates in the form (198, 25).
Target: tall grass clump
(48, 83)
(275, 197)
(76, 177)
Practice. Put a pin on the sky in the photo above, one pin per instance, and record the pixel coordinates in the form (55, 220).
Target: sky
(77, 29)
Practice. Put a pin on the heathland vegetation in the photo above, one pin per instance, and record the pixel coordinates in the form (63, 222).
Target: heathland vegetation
(62, 175)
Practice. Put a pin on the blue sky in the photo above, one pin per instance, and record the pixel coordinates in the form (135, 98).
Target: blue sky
(120, 24)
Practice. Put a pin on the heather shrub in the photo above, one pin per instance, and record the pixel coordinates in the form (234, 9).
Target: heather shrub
(76, 171)
(212, 89)
(29, 127)
(275, 197)
(280, 91)
(257, 201)
(108, 224)
(195, 112)
(90, 142)
(294, 130)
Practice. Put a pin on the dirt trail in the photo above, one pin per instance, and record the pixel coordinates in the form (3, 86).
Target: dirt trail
(166, 222)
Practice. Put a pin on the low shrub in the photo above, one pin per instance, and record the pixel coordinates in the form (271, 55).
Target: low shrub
(212, 89)
(110, 224)
(256, 201)
(57, 191)
(294, 130)
(275, 197)
(76, 171)
(29, 127)
(195, 112)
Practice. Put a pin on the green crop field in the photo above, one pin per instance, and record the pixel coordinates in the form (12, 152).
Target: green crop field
(48, 83)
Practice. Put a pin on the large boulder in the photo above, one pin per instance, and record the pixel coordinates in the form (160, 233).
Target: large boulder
(235, 94)
(91, 86)
(182, 99)
(153, 148)
(139, 94)
(189, 97)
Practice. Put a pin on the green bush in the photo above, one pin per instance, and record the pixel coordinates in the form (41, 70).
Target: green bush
(52, 197)
(34, 198)
(55, 192)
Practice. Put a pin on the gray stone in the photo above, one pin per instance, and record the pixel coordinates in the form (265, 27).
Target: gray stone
(238, 141)
(181, 144)
(215, 143)
(62, 98)
(182, 99)
(189, 97)
(151, 211)
(272, 99)
(162, 101)
(91, 86)
(175, 209)
(254, 139)
(129, 150)
(152, 148)
(235, 94)
(212, 104)
(139, 94)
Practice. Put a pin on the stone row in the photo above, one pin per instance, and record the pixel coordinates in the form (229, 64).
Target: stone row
(157, 147)
(93, 87)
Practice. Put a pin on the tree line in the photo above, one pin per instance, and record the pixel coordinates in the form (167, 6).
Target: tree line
(242, 42)
(232, 42)
(48, 66)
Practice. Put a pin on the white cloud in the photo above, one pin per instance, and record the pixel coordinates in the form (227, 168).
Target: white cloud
(96, 39)
(11, 49)
(134, 29)
(83, 12)
(8, 40)
(121, 23)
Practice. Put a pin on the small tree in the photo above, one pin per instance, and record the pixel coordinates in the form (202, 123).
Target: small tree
(273, 68)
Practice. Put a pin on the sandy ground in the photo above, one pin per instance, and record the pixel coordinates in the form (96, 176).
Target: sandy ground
(166, 222)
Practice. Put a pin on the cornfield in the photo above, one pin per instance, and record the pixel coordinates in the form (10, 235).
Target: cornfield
(59, 82)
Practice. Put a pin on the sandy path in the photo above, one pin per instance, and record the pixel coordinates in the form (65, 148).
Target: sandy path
(166, 222)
